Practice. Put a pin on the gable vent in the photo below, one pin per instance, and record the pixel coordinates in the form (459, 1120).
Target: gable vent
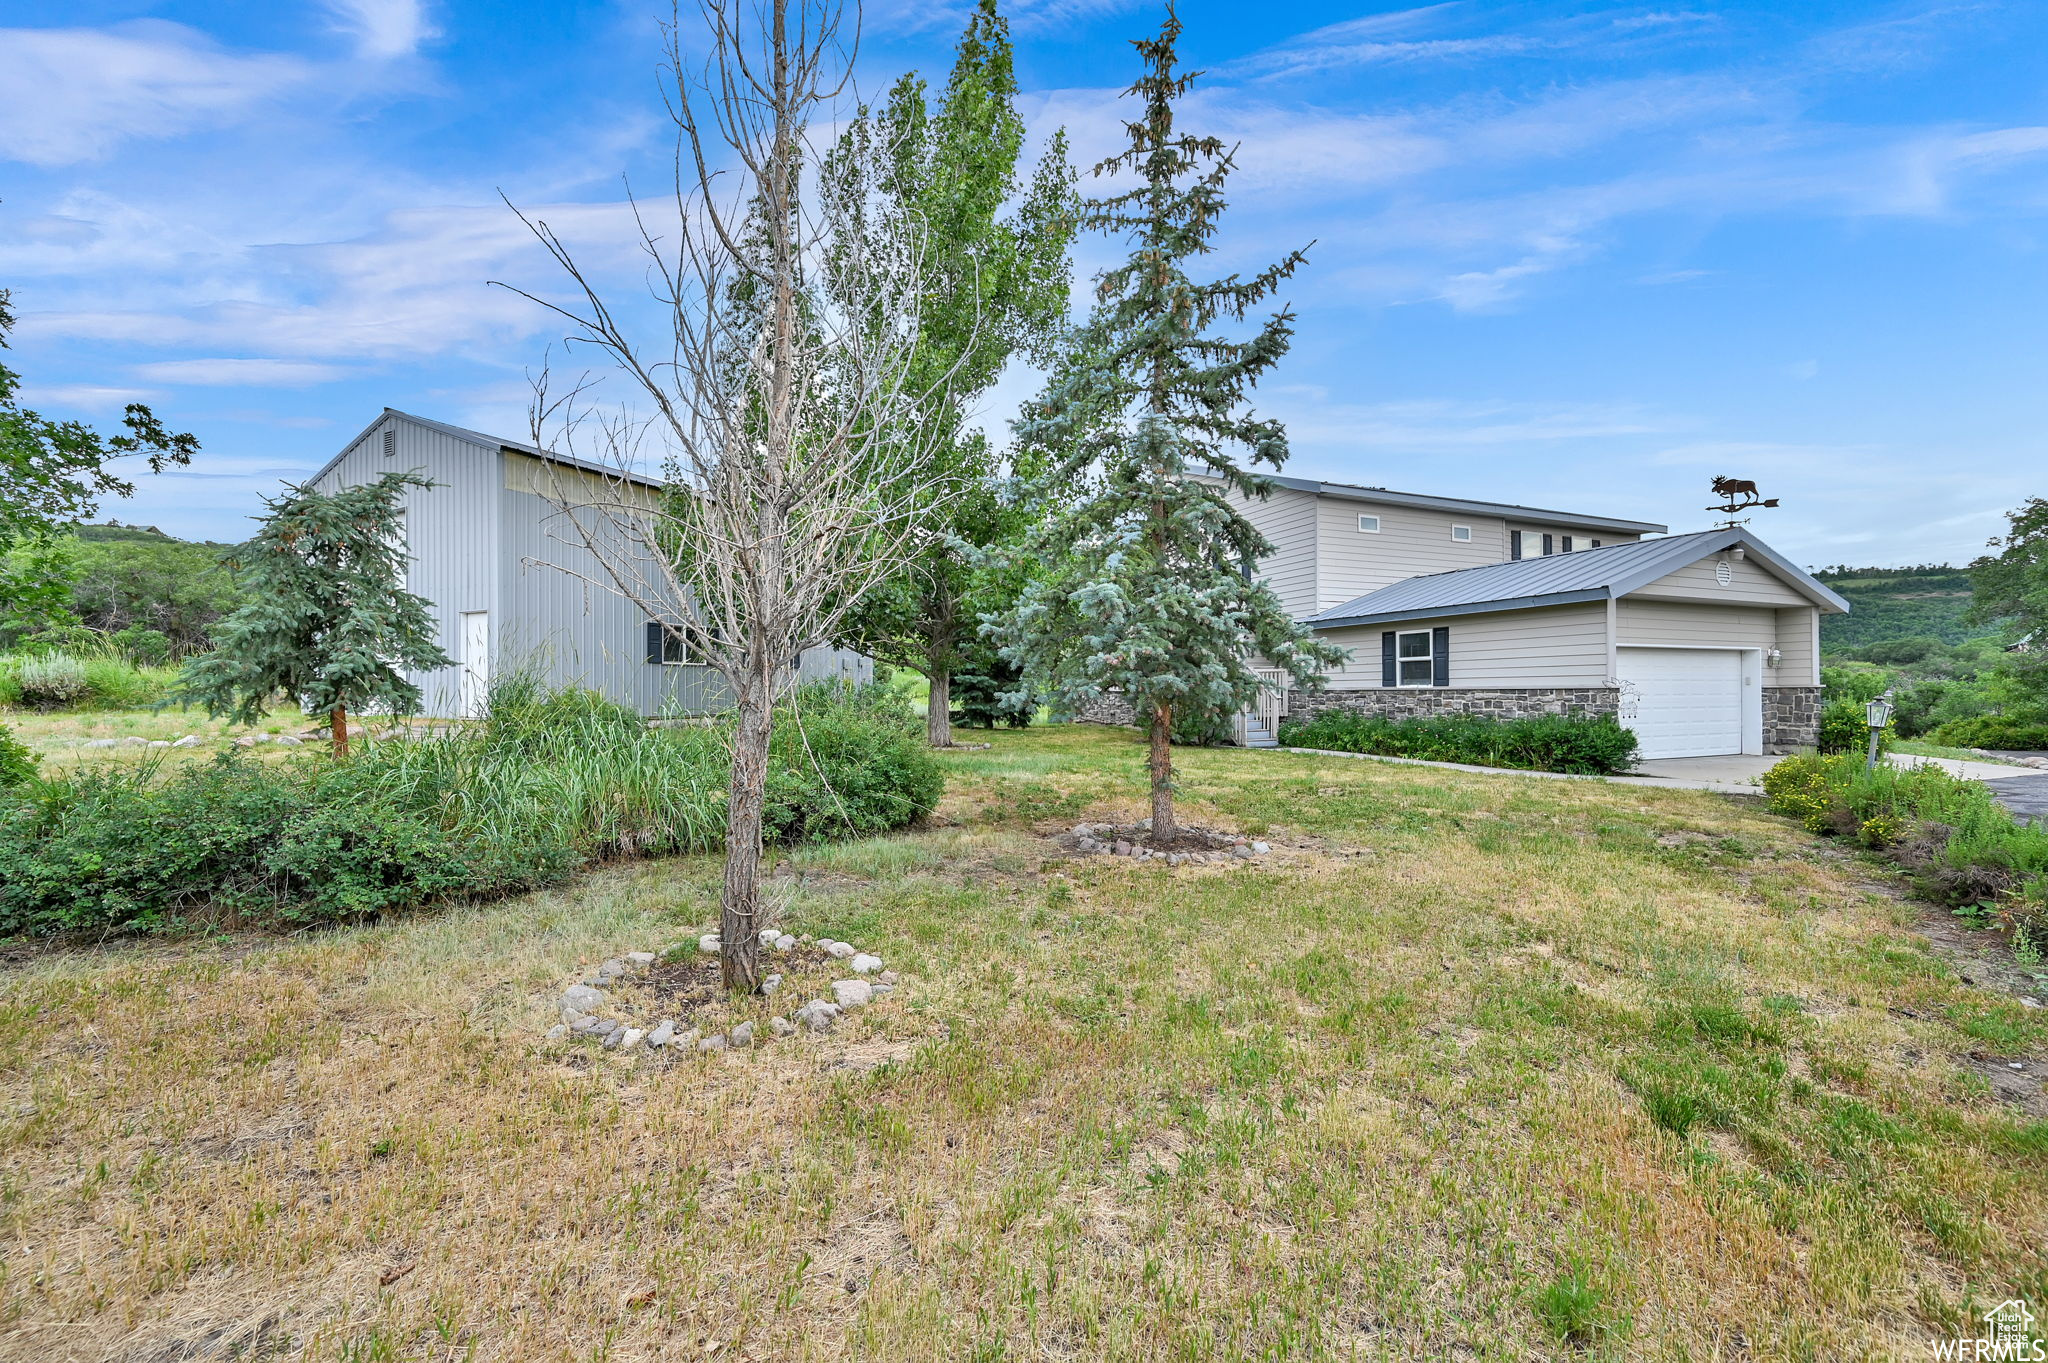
(390, 442)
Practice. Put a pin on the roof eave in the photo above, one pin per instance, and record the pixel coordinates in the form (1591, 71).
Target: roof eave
(1505, 510)
(1517, 603)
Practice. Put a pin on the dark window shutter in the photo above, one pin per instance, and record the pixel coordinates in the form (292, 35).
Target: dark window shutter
(654, 641)
(1440, 656)
(1514, 544)
(1547, 546)
(1388, 676)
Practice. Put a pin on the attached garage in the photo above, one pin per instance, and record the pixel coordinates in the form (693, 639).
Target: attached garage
(1690, 702)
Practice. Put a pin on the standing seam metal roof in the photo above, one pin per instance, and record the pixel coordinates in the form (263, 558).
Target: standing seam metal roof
(1587, 575)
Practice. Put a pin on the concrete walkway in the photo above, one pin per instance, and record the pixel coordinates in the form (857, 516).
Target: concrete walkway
(1731, 775)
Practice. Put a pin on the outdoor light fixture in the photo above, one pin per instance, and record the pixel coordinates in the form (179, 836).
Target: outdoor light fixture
(1773, 656)
(1736, 553)
(1877, 714)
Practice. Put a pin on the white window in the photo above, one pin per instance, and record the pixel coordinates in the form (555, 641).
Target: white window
(1415, 666)
(1461, 533)
(1369, 525)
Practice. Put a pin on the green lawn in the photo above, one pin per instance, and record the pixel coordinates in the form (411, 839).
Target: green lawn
(1471, 1067)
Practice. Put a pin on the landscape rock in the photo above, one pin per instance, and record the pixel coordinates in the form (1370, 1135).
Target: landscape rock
(1261, 848)
(611, 1039)
(839, 950)
(771, 983)
(712, 1043)
(781, 1027)
(708, 943)
(1121, 848)
(768, 936)
(289, 741)
(882, 990)
(159, 742)
(583, 998)
(630, 1038)
(1241, 853)
(133, 741)
(743, 1035)
(557, 1032)
(101, 743)
(247, 741)
(612, 969)
(188, 741)
(662, 1035)
(886, 977)
(584, 1025)
(784, 942)
(610, 1026)
(640, 957)
(852, 993)
(817, 1015)
(864, 964)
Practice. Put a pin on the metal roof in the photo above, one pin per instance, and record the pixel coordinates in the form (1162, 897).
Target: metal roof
(490, 442)
(1531, 514)
(1613, 570)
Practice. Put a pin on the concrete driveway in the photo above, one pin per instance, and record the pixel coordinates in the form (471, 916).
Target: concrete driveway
(1743, 775)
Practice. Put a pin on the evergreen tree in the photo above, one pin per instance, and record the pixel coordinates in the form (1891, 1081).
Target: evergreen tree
(944, 177)
(327, 620)
(2010, 589)
(1152, 592)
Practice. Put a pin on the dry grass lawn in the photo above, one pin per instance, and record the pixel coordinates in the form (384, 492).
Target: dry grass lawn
(1472, 1067)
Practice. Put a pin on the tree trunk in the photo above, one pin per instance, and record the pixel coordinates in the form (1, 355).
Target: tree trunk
(739, 943)
(1161, 762)
(938, 718)
(337, 729)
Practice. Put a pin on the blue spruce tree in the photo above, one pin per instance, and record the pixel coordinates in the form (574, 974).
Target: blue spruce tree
(1152, 591)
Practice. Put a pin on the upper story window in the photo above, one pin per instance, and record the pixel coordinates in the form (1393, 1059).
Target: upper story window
(1594, 543)
(1549, 546)
(1369, 525)
(1567, 544)
(1461, 533)
(1514, 544)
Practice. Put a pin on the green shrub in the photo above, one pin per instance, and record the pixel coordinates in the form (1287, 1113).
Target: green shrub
(1844, 727)
(1961, 846)
(50, 681)
(550, 782)
(1586, 744)
(1993, 731)
(17, 761)
(141, 646)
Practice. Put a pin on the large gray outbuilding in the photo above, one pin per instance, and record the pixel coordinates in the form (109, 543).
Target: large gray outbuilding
(512, 591)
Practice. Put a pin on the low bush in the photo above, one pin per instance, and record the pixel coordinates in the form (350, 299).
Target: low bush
(547, 784)
(1844, 727)
(1993, 731)
(51, 681)
(17, 761)
(1595, 745)
(1961, 846)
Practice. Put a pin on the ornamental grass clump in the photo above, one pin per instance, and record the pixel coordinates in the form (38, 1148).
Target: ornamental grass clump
(549, 782)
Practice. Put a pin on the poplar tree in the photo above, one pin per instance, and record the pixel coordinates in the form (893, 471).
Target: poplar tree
(328, 619)
(998, 277)
(1152, 591)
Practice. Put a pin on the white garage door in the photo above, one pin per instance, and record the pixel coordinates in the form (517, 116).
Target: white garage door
(1682, 702)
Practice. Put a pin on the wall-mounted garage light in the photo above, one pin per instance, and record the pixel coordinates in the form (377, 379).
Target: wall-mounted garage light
(1771, 657)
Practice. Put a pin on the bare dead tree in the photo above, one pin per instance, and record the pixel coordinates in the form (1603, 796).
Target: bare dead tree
(796, 470)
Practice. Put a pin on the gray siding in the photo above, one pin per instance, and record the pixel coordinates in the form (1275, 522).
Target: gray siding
(1748, 584)
(1704, 624)
(451, 532)
(1556, 646)
(1288, 519)
(1414, 542)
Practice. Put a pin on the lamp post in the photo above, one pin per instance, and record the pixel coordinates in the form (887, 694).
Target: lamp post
(1877, 714)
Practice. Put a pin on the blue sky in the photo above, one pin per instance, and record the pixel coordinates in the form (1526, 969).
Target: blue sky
(1584, 256)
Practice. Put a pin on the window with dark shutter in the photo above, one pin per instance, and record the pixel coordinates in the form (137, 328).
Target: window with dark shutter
(1440, 656)
(1548, 550)
(1514, 544)
(1414, 658)
(1388, 675)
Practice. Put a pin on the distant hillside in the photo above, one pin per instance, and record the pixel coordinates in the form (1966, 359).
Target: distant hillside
(113, 532)
(1898, 603)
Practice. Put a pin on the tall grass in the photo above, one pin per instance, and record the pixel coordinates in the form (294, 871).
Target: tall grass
(547, 783)
(112, 681)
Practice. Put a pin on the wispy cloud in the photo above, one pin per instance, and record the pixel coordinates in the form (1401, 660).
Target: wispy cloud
(75, 94)
(239, 373)
(384, 29)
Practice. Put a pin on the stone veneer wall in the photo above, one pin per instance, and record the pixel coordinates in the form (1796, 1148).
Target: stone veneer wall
(1791, 718)
(1518, 702)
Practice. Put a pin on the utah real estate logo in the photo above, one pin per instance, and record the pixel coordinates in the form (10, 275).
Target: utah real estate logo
(2008, 1338)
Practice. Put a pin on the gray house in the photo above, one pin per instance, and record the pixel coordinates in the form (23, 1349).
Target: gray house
(511, 588)
(1704, 643)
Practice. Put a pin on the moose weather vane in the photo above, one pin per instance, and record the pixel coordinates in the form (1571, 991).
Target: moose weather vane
(1738, 495)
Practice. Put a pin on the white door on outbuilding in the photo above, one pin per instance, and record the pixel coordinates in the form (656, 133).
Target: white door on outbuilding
(1688, 702)
(476, 662)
